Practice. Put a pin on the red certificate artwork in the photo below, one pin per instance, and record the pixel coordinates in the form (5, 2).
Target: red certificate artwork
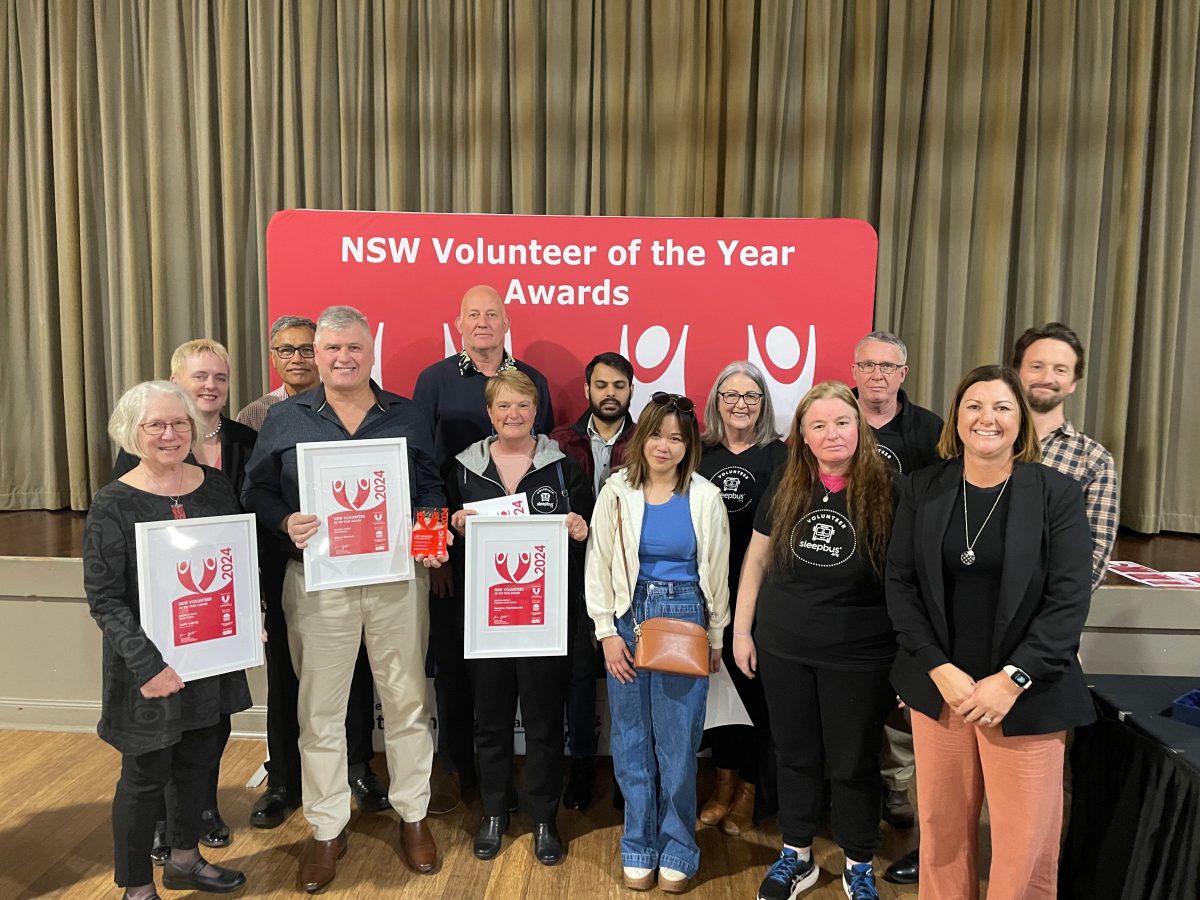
(519, 597)
(206, 610)
(361, 526)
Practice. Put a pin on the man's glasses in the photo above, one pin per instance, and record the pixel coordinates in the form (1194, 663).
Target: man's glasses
(287, 351)
(750, 398)
(179, 426)
(867, 367)
(677, 402)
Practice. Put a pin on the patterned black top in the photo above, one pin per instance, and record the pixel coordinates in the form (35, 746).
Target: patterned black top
(129, 721)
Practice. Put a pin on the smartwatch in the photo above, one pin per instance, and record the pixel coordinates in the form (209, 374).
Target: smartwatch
(1019, 677)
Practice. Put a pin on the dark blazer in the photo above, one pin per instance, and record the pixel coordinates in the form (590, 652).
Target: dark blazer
(237, 442)
(1045, 590)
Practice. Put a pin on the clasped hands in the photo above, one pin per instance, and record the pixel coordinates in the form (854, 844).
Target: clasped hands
(985, 702)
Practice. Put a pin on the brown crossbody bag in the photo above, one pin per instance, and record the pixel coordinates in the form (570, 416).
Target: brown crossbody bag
(670, 646)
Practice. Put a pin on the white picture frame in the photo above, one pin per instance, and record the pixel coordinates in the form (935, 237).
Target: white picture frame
(198, 593)
(511, 561)
(359, 491)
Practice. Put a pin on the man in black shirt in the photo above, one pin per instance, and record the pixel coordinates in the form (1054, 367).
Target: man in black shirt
(450, 393)
(907, 436)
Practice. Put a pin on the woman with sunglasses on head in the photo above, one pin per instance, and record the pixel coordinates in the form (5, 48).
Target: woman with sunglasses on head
(989, 583)
(659, 547)
(742, 452)
(811, 619)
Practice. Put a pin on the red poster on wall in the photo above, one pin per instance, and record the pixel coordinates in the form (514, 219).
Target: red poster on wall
(679, 298)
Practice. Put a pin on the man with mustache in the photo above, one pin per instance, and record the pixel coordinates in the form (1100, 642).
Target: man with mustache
(1049, 361)
(597, 443)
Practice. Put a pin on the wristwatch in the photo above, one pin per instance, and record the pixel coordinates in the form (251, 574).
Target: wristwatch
(1019, 677)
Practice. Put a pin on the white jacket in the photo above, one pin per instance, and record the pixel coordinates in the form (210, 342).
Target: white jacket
(609, 579)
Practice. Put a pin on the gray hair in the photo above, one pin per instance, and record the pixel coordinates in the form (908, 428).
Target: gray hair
(131, 409)
(339, 318)
(886, 337)
(283, 323)
(714, 425)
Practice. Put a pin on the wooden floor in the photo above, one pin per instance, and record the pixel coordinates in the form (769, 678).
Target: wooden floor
(56, 840)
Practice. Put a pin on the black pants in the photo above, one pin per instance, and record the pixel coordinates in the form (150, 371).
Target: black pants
(190, 764)
(825, 717)
(587, 666)
(283, 728)
(452, 685)
(541, 684)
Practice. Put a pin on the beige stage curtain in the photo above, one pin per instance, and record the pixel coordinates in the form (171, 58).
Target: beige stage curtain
(1021, 161)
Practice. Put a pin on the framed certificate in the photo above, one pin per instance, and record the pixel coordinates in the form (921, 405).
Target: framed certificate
(198, 593)
(359, 491)
(516, 586)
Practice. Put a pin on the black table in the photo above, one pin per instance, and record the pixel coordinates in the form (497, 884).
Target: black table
(1134, 832)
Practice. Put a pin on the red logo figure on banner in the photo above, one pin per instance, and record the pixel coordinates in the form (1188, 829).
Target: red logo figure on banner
(515, 601)
(358, 529)
(205, 612)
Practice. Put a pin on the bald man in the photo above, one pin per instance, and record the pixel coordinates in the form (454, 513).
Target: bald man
(450, 393)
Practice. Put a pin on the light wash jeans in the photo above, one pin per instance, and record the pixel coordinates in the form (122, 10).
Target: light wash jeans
(657, 723)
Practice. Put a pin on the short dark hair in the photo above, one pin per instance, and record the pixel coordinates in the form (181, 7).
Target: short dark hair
(1055, 331)
(613, 361)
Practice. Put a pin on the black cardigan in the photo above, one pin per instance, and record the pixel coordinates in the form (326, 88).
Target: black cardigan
(1045, 591)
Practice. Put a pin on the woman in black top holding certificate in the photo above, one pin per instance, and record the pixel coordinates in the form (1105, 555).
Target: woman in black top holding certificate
(811, 616)
(989, 581)
(742, 452)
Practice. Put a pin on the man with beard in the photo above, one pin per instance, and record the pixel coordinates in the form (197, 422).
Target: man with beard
(597, 442)
(1049, 361)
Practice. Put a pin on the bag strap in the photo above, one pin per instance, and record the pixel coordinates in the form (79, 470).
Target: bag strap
(637, 626)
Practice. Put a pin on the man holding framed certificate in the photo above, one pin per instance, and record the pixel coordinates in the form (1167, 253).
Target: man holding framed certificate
(326, 625)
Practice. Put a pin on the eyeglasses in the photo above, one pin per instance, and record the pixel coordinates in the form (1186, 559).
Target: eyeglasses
(750, 398)
(867, 367)
(287, 351)
(677, 402)
(179, 426)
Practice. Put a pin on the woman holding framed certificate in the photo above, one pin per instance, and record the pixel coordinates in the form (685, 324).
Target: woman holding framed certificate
(165, 730)
(515, 461)
(659, 550)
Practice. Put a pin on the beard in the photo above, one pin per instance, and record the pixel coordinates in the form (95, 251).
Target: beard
(1046, 402)
(611, 414)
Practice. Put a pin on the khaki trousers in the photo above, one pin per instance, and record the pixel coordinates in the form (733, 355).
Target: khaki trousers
(1022, 777)
(324, 632)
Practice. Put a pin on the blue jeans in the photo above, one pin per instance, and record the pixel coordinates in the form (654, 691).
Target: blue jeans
(657, 723)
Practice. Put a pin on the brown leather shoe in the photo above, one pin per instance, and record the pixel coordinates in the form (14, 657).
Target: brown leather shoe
(320, 862)
(740, 817)
(418, 846)
(722, 796)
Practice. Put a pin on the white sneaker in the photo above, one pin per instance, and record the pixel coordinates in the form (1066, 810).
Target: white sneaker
(672, 881)
(637, 879)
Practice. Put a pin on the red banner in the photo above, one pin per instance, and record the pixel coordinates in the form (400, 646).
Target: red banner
(679, 298)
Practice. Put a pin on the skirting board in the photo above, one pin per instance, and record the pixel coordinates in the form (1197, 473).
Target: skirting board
(29, 714)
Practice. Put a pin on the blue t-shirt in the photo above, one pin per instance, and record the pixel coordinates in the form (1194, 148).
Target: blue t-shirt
(667, 551)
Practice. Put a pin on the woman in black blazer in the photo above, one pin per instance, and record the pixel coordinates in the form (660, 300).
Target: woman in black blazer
(988, 586)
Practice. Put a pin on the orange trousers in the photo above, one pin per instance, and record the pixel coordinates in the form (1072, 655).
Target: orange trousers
(1022, 777)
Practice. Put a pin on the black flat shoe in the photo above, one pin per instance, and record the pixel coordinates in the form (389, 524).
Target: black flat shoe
(369, 792)
(160, 850)
(547, 845)
(487, 838)
(216, 832)
(578, 794)
(905, 870)
(273, 808)
(178, 878)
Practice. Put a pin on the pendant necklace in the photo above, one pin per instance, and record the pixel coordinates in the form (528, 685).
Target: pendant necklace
(830, 488)
(968, 555)
(177, 510)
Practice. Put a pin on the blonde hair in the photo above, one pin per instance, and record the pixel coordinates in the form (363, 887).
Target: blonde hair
(123, 424)
(513, 379)
(201, 345)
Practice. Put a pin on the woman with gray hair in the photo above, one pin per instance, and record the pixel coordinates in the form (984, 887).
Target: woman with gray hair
(164, 729)
(742, 451)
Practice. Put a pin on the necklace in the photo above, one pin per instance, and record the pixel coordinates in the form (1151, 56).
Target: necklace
(177, 510)
(968, 555)
(215, 431)
(835, 483)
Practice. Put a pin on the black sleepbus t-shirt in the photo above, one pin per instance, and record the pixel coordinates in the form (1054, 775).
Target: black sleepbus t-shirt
(825, 607)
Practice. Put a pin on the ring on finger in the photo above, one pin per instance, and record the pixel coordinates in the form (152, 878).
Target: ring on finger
(987, 720)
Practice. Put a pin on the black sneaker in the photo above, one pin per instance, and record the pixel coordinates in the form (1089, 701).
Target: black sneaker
(858, 881)
(788, 876)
